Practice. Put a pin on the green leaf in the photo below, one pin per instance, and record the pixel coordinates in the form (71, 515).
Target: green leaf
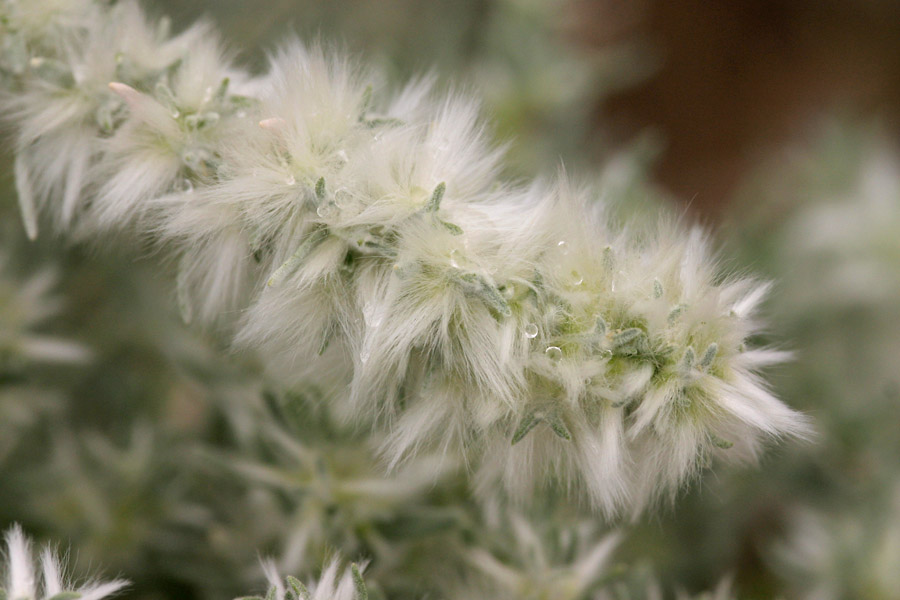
(201, 121)
(299, 588)
(687, 361)
(709, 356)
(657, 289)
(676, 312)
(105, 117)
(300, 254)
(66, 596)
(320, 189)
(361, 592)
(719, 442)
(327, 336)
(379, 121)
(626, 337)
(221, 91)
(451, 227)
(480, 285)
(436, 196)
(558, 426)
(238, 101)
(527, 423)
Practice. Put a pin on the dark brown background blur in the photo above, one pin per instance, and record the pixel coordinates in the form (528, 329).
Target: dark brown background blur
(737, 77)
(723, 84)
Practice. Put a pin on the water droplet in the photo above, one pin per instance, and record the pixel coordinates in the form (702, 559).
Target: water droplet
(454, 256)
(577, 278)
(554, 353)
(563, 247)
(291, 180)
(364, 356)
(343, 156)
(509, 291)
(175, 113)
(531, 330)
(588, 381)
(327, 210)
(342, 197)
(606, 354)
(185, 186)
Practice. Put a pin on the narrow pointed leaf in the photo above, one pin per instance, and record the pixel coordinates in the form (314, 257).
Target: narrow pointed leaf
(527, 423)
(299, 588)
(709, 356)
(296, 259)
(687, 361)
(320, 189)
(488, 292)
(435, 203)
(327, 336)
(559, 427)
(451, 227)
(675, 313)
(626, 337)
(361, 592)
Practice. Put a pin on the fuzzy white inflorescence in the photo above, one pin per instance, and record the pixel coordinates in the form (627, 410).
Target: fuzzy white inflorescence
(21, 580)
(331, 585)
(365, 239)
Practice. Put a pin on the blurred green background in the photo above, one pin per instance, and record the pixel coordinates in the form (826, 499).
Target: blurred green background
(773, 123)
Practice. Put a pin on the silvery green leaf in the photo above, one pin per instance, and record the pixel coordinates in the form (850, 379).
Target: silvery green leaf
(296, 259)
(434, 204)
(359, 584)
(528, 422)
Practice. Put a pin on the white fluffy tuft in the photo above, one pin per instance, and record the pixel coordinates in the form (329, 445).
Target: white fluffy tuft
(365, 238)
(22, 581)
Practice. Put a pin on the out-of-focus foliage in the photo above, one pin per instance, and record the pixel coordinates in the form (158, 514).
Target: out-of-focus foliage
(819, 519)
(162, 460)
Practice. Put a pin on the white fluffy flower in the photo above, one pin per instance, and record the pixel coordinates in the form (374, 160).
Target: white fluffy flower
(23, 579)
(332, 584)
(365, 238)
